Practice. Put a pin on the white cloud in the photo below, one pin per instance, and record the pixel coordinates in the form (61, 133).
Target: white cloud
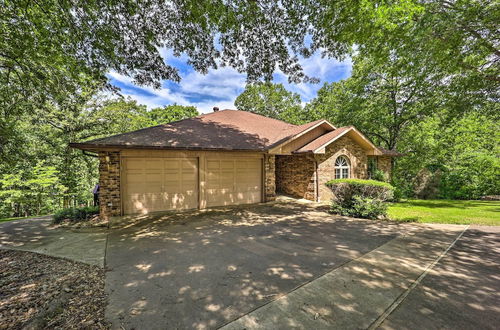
(325, 69)
(221, 87)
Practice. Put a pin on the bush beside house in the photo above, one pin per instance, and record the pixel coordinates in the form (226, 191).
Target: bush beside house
(360, 198)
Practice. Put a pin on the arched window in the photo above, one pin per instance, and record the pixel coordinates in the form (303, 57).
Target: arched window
(342, 167)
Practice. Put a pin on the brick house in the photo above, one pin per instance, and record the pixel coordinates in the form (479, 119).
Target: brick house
(225, 158)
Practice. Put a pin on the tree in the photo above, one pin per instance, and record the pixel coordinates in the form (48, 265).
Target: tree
(30, 192)
(116, 115)
(271, 100)
(76, 39)
(380, 99)
(398, 105)
(51, 50)
(170, 113)
(460, 157)
(85, 118)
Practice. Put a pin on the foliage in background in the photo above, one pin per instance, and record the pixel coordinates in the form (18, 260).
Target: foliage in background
(451, 159)
(380, 99)
(33, 191)
(44, 174)
(272, 100)
(449, 138)
(360, 198)
(170, 113)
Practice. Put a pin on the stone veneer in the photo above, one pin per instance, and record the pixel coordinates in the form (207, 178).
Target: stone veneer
(295, 176)
(109, 184)
(344, 146)
(384, 163)
(270, 178)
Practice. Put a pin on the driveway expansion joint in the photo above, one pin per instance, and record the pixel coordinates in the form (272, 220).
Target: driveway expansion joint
(356, 294)
(401, 298)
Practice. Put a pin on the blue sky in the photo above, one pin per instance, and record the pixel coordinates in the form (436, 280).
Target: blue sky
(221, 87)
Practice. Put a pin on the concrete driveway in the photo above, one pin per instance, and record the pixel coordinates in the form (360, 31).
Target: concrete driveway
(39, 235)
(206, 270)
(282, 266)
(461, 292)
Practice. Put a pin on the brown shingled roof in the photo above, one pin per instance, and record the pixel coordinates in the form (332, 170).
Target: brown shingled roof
(392, 153)
(221, 130)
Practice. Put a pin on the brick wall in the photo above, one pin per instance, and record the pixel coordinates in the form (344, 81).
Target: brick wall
(295, 176)
(109, 184)
(270, 178)
(326, 162)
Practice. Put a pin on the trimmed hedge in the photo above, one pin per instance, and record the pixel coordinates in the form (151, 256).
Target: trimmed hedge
(360, 198)
(360, 182)
(76, 214)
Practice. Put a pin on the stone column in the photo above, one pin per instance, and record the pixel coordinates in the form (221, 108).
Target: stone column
(270, 178)
(109, 184)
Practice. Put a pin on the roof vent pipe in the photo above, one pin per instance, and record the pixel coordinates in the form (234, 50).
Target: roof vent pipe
(216, 109)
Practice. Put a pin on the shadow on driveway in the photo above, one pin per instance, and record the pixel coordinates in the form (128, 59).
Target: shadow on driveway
(461, 292)
(38, 235)
(203, 270)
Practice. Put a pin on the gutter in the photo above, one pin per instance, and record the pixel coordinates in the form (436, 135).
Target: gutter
(91, 147)
(88, 153)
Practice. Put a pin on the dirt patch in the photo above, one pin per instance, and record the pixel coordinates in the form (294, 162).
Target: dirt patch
(42, 292)
(93, 222)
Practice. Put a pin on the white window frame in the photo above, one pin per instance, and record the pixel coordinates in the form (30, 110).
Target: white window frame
(342, 170)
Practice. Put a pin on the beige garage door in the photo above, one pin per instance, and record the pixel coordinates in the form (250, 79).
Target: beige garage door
(233, 181)
(159, 184)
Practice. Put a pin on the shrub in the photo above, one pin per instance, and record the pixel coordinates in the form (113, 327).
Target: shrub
(362, 207)
(360, 198)
(397, 195)
(379, 175)
(76, 214)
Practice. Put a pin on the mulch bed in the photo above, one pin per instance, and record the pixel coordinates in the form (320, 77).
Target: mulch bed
(93, 222)
(42, 292)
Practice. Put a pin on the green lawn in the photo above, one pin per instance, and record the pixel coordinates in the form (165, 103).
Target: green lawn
(446, 211)
(16, 218)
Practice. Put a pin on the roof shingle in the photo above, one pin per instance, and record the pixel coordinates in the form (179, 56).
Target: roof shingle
(391, 153)
(221, 130)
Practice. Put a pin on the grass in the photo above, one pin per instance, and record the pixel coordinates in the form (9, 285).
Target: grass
(17, 218)
(447, 211)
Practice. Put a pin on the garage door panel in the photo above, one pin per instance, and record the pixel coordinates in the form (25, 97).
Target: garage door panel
(135, 164)
(171, 176)
(213, 164)
(172, 189)
(154, 189)
(159, 184)
(134, 180)
(233, 181)
(188, 176)
(190, 187)
(171, 163)
(191, 165)
(153, 177)
(153, 164)
(227, 164)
